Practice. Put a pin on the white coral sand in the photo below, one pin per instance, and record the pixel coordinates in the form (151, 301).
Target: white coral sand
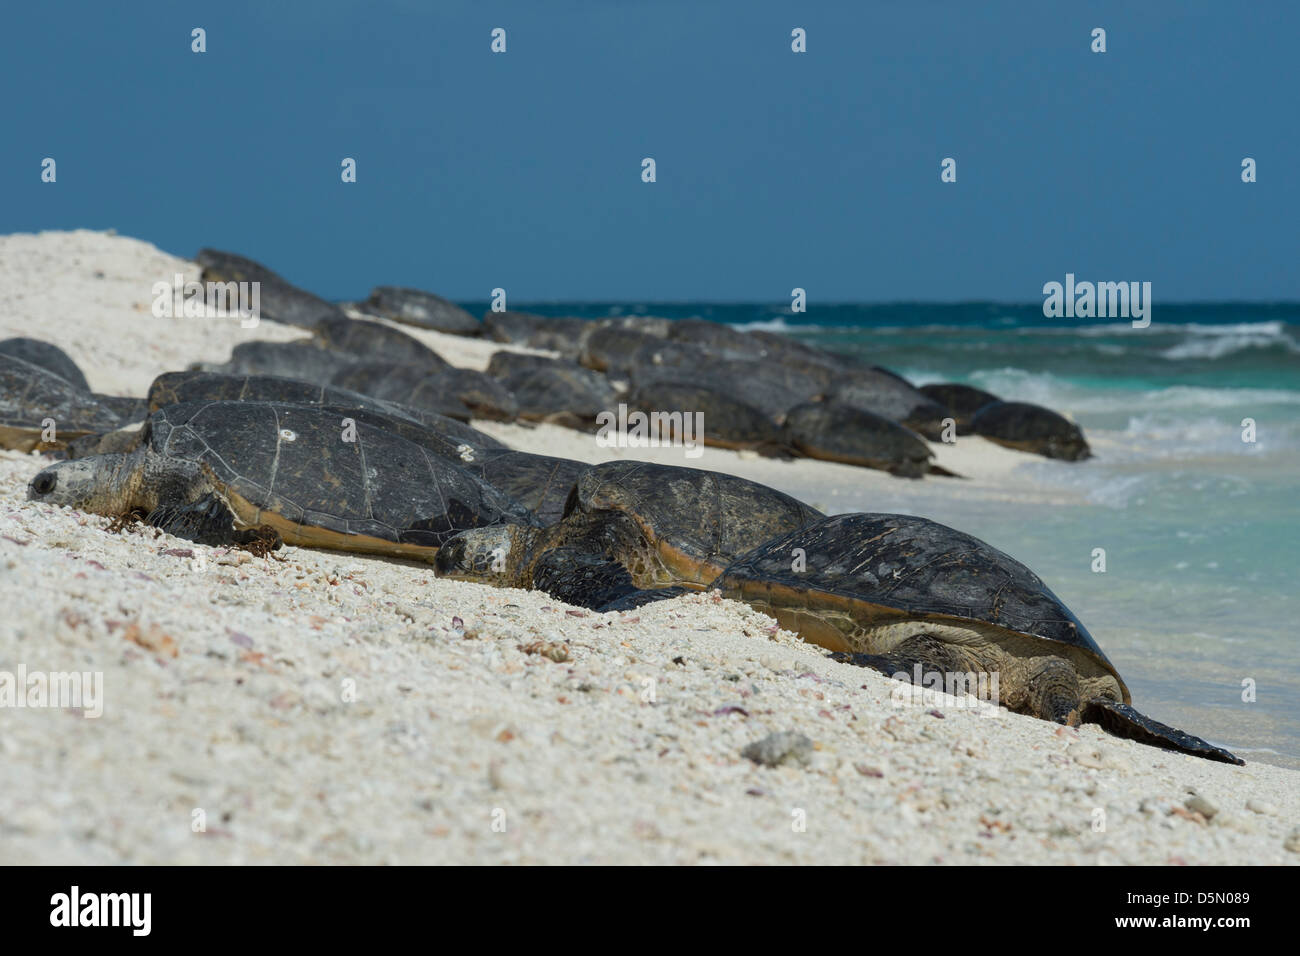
(327, 707)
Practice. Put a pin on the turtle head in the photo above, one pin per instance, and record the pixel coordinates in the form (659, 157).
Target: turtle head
(496, 555)
(95, 484)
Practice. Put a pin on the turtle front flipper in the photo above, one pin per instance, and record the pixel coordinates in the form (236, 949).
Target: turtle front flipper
(1123, 721)
(588, 580)
(644, 596)
(209, 521)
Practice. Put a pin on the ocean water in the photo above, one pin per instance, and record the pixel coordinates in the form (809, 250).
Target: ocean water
(1198, 604)
(1201, 529)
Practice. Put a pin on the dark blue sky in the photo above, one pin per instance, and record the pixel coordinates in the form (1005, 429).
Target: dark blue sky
(775, 170)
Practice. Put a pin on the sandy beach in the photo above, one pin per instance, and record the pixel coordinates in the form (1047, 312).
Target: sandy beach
(318, 707)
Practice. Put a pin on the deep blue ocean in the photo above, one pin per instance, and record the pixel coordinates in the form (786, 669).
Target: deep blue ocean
(1199, 602)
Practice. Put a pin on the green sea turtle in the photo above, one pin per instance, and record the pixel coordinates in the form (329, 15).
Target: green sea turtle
(303, 359)
(459, 393)
(511, 327)
(881, 393)
(47, 356)
(219, 471)
(53, 359)
(538, 482)
(422, 309)
(915, 599)
(619, 346)
(962, 400)
(1031, 428)
(653, 358)
(654, 325)
(564, 335)
(406, 383)
(124, 439)
(40, 410)
(609, 348)
(483, 395)
(833, 431)
(716, 337)
(553, 390)
(780, 347)
(770, 387)
(664, 526)
(375, 342)
(447, 436)
(818, 364)
(278, 300)
(727, 421)
(174, 388)
(127, 408)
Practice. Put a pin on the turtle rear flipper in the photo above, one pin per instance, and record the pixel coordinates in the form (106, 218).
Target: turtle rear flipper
(780, 450)
(943, 472)
(1123, 721)
(207, 521)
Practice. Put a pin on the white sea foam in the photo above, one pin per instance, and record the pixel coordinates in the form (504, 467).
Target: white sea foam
(1161, 435)
(1217, 346)
(1044, 388)
(779, 324)
(1118, 491)
(1273, 328)
(919, 377)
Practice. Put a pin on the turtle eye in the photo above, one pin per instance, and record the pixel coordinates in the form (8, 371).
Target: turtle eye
(45, 482)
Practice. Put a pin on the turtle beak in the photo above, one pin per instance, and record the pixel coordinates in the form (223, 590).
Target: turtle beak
(65, 483)
(490, 555)
(77, 483)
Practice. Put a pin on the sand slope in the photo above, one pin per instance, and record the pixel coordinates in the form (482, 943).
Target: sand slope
(321, 707)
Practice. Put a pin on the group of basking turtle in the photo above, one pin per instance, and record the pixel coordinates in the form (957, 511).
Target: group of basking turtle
(253, 457)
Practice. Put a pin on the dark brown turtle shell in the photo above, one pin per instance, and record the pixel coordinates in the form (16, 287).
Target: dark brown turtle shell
(171, 388)
(882, 567)
(698, 521)
(834, 431)
(963, 401)
(375, 342)
(31, 395)
(48, 356)
(280, 300)
(728, 421)
(289, 467)
(423, 309)
(540, 483)
(1031, 428)
(882, 394)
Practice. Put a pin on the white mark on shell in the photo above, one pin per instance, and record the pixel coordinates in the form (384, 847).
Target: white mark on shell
(288, 435)
(466, 452)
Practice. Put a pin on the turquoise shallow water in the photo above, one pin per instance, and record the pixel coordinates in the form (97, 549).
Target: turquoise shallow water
(1201, 529)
